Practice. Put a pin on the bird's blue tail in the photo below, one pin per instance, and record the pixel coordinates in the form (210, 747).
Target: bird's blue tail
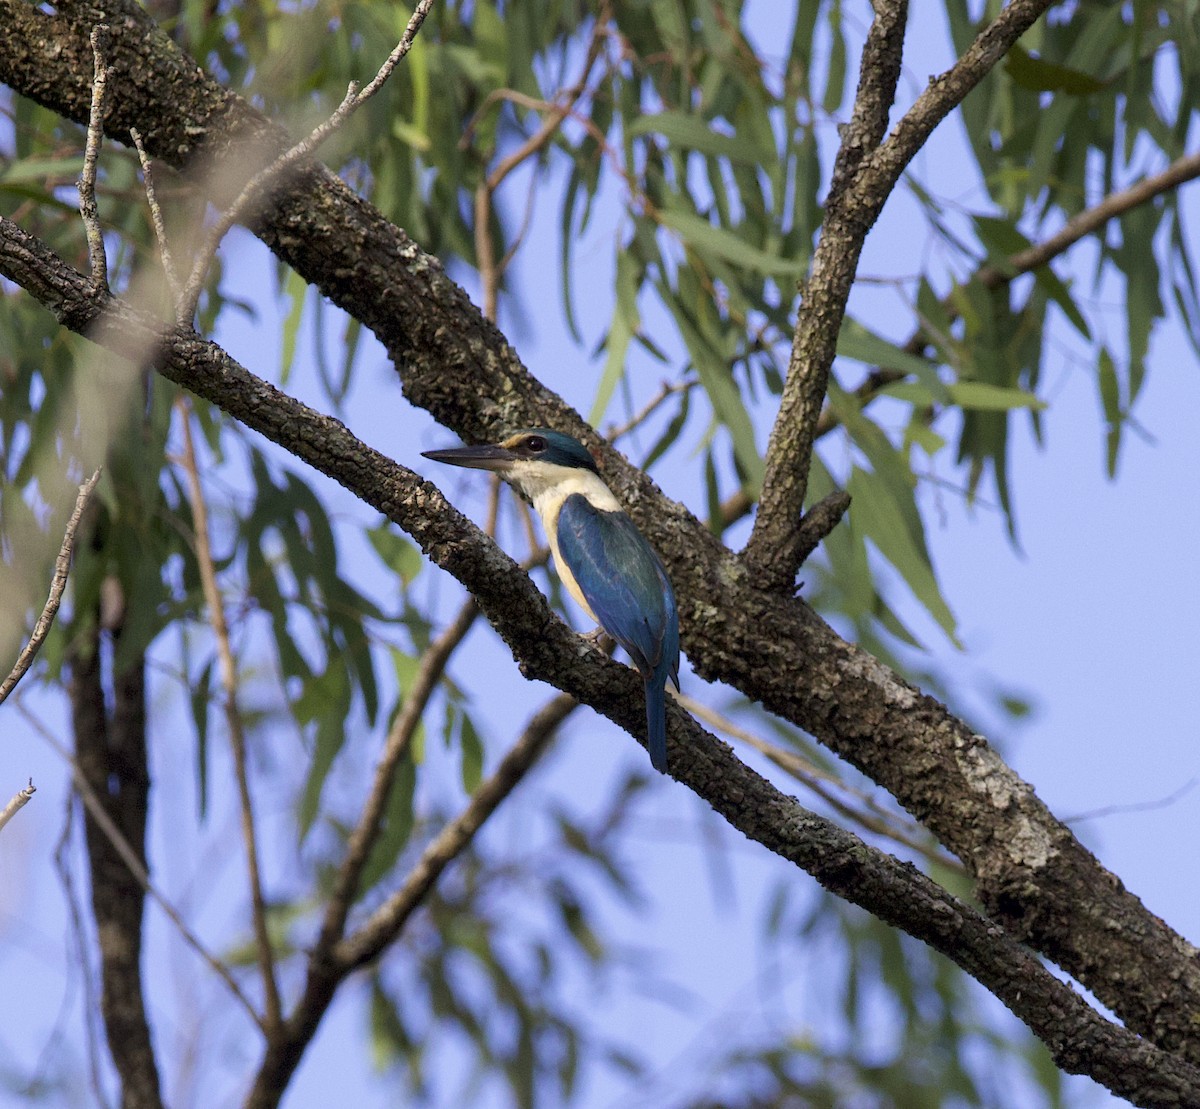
(656, 720)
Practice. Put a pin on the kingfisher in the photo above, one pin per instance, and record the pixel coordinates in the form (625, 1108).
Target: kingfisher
(606, 564)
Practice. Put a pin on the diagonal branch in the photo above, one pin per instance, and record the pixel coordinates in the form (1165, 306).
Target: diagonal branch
(385, 923)
(58, 584)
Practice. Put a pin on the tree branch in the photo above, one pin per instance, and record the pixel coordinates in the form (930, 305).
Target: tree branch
(857, 197)
(1031, 870)
(87, 180)
(273, 1014)
(386, 923)
(111, 754)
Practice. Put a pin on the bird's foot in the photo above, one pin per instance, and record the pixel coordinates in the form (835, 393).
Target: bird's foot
(597, 638)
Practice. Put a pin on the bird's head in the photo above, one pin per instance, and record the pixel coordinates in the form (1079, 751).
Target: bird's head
(534, 452)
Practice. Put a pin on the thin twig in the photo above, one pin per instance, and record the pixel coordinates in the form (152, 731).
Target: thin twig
(490, 271)
(667, 390)
(233, 717)
(1183, 169)
(386, 922)
(62, 568)
(872, 816)
(129, 857)
(156, 218)
(1179, 172)
(19, 800)
(351, 102)
(87, 179)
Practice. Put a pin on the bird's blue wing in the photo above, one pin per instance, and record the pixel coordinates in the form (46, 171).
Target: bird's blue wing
(624, 583)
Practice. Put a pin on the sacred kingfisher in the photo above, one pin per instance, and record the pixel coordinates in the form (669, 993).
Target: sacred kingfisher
(604, 561)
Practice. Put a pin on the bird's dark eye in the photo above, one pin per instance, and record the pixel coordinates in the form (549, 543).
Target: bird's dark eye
(535, 444)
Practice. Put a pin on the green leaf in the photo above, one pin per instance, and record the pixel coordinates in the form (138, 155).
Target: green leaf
(295, 289)
(857, 342)
(398, 554)
(983, 397)
(883, 521)
(472, 755)
(705, 237)
(695, 133)
(1059, 292)
(1110, 399)
(621, 330)
(1039, 75)
(717, 378)
(398, 824)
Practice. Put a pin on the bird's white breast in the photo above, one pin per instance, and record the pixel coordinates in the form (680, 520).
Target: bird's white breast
(548, 486)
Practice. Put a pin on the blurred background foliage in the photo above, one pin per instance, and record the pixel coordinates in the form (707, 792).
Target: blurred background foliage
(678, 151)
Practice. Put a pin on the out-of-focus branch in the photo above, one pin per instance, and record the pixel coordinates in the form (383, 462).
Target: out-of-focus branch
(233, 716)
(156, 218)
(384, 925)
(58, 584)
(867, 813)
(491, 271)
(396, 746)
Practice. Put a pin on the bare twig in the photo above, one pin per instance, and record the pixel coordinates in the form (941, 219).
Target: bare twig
(490, 271)
(129, 857)
(62, 568)
(1112, 206)
(156, 218)
(233, 717)
(351, 102)
(1186, 168)
(667, 390)
(869, 814)
(19, 800)
(87, 180)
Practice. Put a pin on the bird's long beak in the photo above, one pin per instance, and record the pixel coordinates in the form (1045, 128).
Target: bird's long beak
(491, 456)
